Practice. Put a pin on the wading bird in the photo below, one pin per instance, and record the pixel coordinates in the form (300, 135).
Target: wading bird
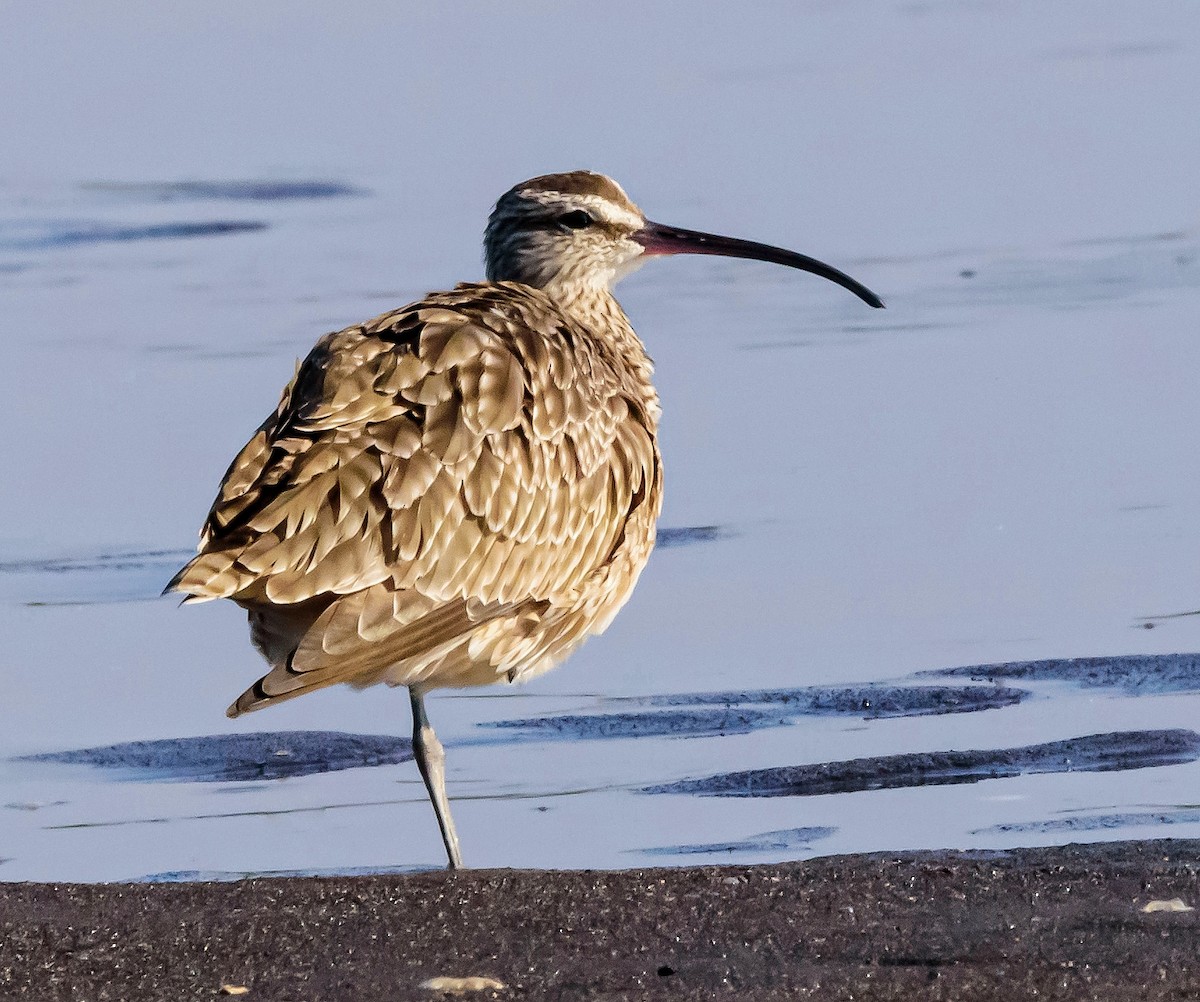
(461, 491)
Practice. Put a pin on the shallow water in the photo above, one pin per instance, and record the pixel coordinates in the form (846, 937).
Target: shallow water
(1000, 468)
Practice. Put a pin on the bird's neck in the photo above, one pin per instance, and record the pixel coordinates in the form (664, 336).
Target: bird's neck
(597, 311)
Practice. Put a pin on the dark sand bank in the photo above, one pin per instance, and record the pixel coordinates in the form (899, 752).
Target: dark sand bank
(1034, 923)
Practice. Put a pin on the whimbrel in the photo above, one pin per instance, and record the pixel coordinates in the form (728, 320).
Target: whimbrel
(460, 491)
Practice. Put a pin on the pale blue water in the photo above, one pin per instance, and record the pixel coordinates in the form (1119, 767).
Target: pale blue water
(1000, 467)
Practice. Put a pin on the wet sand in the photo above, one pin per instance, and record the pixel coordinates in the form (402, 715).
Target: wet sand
(1050, 923)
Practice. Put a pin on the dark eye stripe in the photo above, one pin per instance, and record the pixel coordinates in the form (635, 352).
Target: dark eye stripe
(576, 220)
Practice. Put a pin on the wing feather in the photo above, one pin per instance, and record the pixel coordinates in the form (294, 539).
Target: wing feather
(428, 479)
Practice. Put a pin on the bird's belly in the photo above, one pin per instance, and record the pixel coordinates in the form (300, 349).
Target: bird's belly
(532, 639)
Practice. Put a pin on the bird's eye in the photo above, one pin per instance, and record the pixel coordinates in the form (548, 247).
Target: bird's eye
(576, 220)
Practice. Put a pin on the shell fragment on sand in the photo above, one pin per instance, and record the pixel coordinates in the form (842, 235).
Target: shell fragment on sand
(460, 986)
(1171, 905)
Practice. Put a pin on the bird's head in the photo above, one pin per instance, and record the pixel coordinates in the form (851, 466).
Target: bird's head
(578, 232)
(570, 231)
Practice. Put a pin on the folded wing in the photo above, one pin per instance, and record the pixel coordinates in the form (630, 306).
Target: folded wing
(434, 485)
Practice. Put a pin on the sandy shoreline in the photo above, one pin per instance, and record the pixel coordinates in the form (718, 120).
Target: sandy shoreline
(1031, 923)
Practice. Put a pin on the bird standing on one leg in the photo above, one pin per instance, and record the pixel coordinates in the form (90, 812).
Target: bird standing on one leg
(461, 491)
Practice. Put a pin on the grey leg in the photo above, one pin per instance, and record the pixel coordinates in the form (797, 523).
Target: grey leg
(431, 760)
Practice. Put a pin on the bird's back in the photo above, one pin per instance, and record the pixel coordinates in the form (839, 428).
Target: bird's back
(453, 493)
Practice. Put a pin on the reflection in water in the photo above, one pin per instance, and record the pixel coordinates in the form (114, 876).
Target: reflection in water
(27, 236)
(665, 723)
(869, 701)
(234, 191)
(787, 839)
(741, 712)
(125, 560)
(687, 534)
(239, 757)
(1096, 822)
(190, 876)
(1094, 753)
(1132, 673)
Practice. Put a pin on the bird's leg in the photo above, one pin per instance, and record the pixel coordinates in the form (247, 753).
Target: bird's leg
(431, 760)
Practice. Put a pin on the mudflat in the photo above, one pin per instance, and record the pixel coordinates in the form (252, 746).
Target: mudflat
(1049, 923)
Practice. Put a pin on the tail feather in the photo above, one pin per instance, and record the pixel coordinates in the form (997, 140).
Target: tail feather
(293, 640)
(207, 576)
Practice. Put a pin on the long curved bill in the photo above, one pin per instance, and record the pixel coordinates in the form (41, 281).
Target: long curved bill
(660, 239)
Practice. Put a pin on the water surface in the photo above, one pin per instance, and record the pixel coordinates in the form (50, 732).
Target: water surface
(999, 469)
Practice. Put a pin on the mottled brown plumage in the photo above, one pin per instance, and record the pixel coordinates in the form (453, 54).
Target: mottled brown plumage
(460, 491)
(452, 494)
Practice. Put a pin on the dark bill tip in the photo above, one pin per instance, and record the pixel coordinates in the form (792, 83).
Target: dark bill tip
(660, 239)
